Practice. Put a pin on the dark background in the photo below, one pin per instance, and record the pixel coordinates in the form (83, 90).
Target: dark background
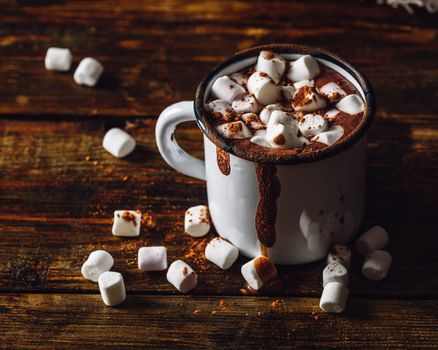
(59, 188)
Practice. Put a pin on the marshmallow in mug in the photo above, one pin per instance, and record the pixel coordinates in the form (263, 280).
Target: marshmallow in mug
(304, 68)
(182, 276)
(261, 85)
(246, 103)
(224, 88)
(272, 64)
(312, 124)
(252, 121)
(259, 138)
(220, 109)
(334, 297)
(332, 91)
(98, 262)
(152, 258)
(58, 59)
(118, 142)
(373, 239)
(221, 253)
(351, 104)
(376, 265)
(259, 272)
(234, 130)
(197, 221)
(340, 254)
(112, 288)
(88, 72)
(334, 272)
(306, 99)
(330, 136)
(126, 223)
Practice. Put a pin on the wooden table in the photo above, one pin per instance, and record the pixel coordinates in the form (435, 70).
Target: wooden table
(59, 188)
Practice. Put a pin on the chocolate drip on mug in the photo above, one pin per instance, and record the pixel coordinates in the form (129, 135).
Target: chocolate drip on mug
(269, 191)
(223, 161)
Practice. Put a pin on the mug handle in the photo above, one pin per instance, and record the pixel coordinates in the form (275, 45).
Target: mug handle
(172, 153)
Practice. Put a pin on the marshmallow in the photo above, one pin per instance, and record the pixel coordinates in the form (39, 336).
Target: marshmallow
(221, 253)
(334, 297)
(259, 138)
(376, 265)
(334, 272)
(286, 118)
(234, 130)
(152, 259)
(307, 100)
(220, 109)
(282, 136)
(112, 288)
(272, 64)
(375, 238)
(329, 137)
(126, 223)
(312, 124)
(252, 121)
(246, 103)
(304, 68)
(351, 104)
(331, 113)
(288, 92)
(332, 91)
(266, 112)
(259, 272)
(263, 88)
(239, 78)
(197, 221)
(88, 72)
(118, 142)
(58, 59)
(182, 276)
(340, 254)
(226, 89)
(98, 262)
(300, 84)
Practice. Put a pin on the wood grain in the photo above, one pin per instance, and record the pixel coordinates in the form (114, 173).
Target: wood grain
(60, 205)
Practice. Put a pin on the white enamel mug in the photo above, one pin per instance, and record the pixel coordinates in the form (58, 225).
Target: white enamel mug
(322, 197)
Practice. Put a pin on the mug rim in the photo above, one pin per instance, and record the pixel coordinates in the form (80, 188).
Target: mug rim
(210, 132)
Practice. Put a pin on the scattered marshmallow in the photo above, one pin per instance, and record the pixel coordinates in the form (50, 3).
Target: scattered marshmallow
(351, 104)
(221, 253)
(88, 72)
(252, 121)
(98, 262)
(376, 265)
(300, 84)
(307, 100)
(224, 88)
(112, 288)
(331, 114)
(234, 130)
(220, 109)
(266, 112)
(312, 124)
(304, 68)
(259, 138)
(246, 103)
(340, 254)
(263, 88)
(259, 272)
(152, 258)
(334, 297)
(118, 142)
(239, 78)
(272, 64)
(334, 272)
(182, 276)
(288, 92)
(332, 91)
(329, 137)
(58, 59)
(126, 223)
(197, 221)
(375, 238)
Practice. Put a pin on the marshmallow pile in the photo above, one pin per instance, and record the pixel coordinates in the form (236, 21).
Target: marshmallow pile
(87, 73)
(278, 105)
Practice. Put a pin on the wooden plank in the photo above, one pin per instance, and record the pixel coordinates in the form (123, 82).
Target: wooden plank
(56, 207)
(155, 54)
(35, 321)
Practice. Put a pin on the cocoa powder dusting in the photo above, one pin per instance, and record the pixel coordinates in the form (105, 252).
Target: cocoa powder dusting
(269, 191)
(129, 217)
(223, 161)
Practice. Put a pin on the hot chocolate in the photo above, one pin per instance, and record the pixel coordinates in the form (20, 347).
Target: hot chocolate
(286, 107)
